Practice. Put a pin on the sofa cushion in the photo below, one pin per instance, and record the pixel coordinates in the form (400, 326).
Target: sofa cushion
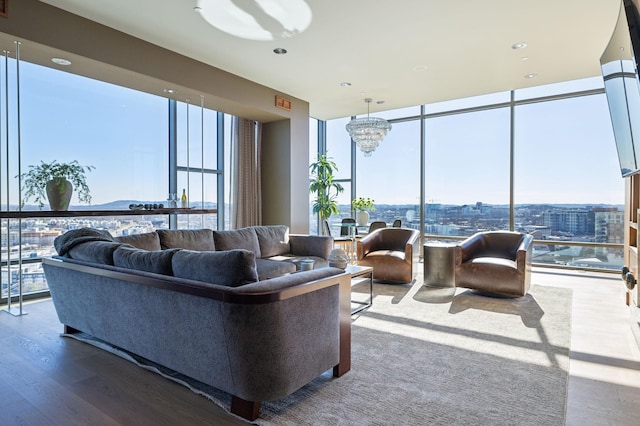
(268, 269)
(244, 238)
(273, 240)
(232, 268)
(196, 239)
(147, 241)
(95, 251)
(158, 262)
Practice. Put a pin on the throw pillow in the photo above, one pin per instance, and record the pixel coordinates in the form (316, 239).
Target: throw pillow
(147, 241)
(273, 240)
(198, 239)
(244, 238)
(232, 268)
(158, 262)
(95, 251)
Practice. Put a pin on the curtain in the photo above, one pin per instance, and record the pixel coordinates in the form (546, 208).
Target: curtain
(246, 185)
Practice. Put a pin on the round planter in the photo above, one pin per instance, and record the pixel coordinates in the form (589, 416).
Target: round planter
(362, 218)
(59, 192)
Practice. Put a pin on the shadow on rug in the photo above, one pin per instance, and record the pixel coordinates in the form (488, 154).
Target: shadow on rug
(419, 360)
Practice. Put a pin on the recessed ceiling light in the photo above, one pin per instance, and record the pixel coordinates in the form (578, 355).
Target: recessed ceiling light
(169, 91)
(524, 58)
(279, 51)
(520, 45)
(532, 75)
(61, 61)
(345, 84)
(379, 102)
(420, 68)
(197, 9)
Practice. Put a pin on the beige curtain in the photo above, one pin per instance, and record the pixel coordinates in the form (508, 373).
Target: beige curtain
(246, 186)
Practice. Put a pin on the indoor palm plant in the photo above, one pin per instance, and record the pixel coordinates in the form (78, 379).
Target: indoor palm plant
(363, 206)
(56, 181)
(325, 188)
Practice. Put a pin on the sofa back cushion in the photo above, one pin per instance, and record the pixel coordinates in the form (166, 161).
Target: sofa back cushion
(244, 238)
(158, 261)
(147, 241)
(273, 240)
(197, 239)
(95, 251)
(232, 268)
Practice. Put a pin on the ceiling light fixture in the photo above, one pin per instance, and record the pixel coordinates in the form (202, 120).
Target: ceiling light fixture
(279, 51)
(532, 75)
(345, 84)
(520, 45)
(169, 91)
(420, 68)
(368, 132)
(61, 61)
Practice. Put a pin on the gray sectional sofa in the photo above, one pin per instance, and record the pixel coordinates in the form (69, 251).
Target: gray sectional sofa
(200, 303)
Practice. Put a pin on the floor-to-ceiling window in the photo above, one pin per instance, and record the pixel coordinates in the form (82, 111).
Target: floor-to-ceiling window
(543, 162)
(123, 134)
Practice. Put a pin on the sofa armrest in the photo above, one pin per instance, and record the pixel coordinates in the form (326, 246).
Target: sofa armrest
(311, 245)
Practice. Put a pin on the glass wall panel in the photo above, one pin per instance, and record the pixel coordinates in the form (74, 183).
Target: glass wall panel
(391, 175)
(339, 146)
(64, 117)
(467, 173)
(568, 185)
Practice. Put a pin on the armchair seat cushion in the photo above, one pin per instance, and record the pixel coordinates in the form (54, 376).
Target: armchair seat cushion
(387, 255)
(494, 261)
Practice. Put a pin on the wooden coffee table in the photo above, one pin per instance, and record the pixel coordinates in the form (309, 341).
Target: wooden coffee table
(361, 271)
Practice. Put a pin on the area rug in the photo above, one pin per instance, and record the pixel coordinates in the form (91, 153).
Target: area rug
(434, 356)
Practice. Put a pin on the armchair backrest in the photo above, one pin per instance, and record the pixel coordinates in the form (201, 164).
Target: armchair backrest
(502, 244)
(390, 238)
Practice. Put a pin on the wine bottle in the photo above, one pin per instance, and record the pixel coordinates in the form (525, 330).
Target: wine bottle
(183, 199)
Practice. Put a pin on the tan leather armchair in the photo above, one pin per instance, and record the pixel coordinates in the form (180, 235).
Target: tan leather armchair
(390, 252)
(495, 262)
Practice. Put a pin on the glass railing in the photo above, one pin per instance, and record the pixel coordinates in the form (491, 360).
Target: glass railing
(602, 257)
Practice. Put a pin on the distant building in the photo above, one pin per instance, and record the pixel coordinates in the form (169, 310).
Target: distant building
(574, 221)
(609, 225)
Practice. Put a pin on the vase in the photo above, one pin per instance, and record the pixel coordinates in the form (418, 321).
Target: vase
(362, 218)
(59, 192)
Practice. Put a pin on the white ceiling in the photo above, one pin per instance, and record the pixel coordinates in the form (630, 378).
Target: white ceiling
(465, 46)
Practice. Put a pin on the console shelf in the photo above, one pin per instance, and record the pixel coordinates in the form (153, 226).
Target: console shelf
(27, 214)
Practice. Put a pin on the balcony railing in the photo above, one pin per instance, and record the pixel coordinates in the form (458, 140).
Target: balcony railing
(587, 256)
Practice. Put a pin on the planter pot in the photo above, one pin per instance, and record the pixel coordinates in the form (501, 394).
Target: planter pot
(59, 192)
(362, 218)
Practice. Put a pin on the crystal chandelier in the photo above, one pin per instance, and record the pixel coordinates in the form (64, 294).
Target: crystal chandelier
(368, 132)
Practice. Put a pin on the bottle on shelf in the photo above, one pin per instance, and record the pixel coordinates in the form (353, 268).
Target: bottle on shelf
(183, 199)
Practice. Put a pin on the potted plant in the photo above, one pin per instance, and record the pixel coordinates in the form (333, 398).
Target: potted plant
(56, 180)
(323, 185)
(363, 206)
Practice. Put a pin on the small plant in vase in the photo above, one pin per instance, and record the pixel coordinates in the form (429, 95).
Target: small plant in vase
(56, 181)
(363, 206)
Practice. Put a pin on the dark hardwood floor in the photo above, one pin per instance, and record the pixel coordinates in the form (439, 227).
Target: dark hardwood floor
(46, 379)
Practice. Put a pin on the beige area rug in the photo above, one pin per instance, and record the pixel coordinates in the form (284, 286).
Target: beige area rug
(425, 356)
